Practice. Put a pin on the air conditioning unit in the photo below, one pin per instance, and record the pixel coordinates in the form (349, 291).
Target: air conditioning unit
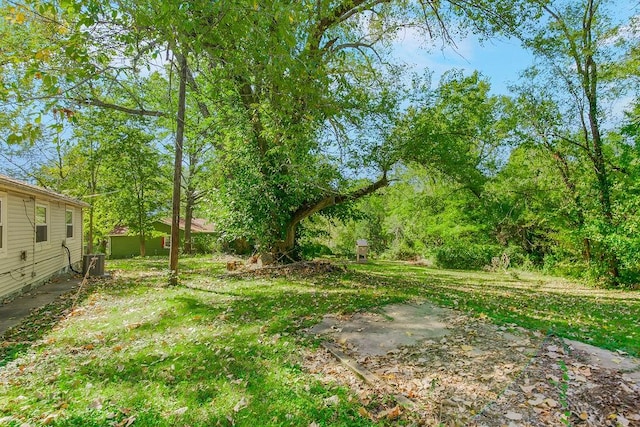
(97, 269)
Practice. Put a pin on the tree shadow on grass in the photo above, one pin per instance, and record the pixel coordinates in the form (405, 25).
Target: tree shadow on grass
(18, 339)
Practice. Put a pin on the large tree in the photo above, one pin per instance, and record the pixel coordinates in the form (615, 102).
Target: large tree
(563, 105)
(302, 93)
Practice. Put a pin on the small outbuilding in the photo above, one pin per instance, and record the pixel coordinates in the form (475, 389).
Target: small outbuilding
(40, 235)
(362, 250)
(122, 243)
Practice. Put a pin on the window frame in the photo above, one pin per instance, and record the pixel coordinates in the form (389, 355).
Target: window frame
(47, 223)
(3, 224)
(67, 224)
(165, 239)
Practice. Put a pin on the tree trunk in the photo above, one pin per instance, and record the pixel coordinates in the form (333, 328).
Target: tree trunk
(177, 175)
(288, 244)
(143, 246)
(188, 244)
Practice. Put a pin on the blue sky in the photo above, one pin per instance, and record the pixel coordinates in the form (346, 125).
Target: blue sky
(501, 60)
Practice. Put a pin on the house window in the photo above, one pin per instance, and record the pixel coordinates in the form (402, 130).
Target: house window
(166, 242)
(69, 221)
(3, 223)
(42, 223)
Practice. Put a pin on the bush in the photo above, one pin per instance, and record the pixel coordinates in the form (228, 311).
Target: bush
(402, 252)
(204, 243)
(462, 256)
(313, 250)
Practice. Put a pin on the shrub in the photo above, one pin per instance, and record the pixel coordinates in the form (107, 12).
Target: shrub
(463, 256)
(402, 252)
(310, 250)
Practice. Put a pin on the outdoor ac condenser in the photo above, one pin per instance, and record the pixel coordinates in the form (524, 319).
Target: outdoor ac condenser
(97, 269)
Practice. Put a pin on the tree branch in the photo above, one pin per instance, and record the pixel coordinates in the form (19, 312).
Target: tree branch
(133, 111)
(332, 200)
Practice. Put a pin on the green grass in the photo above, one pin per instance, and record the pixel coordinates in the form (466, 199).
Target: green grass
(605, 318)
(223, 350)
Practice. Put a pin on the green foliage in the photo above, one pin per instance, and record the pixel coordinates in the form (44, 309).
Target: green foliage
(205, 243)
(465, 256)
(457, 133)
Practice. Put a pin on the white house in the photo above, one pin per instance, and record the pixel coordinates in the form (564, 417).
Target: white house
(40, 235)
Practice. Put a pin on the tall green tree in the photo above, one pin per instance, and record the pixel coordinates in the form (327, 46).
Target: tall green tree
(301, 90)
(140, 189)
(562, 103)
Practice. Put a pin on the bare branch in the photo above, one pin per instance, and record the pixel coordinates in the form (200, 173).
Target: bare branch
(133, 111)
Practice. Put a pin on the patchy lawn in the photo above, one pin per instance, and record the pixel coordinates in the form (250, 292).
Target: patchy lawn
(223, 350)
(604, 318)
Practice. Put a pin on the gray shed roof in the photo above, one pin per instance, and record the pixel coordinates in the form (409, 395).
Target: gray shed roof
(8, 183)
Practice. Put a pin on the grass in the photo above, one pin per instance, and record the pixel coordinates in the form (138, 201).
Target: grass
(228, 351)
(605, 318)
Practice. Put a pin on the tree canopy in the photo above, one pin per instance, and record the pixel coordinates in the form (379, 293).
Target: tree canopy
(289, 109)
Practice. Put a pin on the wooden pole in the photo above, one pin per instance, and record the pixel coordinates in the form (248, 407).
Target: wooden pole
(177, 174)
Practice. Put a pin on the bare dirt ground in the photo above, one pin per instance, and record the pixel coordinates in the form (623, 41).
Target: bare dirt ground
(454, 370)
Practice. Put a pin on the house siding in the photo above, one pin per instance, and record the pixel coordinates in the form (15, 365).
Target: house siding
(26, 264)
(129, 246)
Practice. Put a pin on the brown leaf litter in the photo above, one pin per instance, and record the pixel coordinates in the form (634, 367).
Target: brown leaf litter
(479, 374)
(301, 268)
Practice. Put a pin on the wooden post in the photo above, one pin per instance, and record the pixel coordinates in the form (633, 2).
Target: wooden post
(177, 174)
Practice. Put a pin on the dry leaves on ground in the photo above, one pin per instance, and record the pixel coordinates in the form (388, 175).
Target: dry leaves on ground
(483, 375)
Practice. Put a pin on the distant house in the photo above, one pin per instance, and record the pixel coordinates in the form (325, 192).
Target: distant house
(40, 235)
(121, 243)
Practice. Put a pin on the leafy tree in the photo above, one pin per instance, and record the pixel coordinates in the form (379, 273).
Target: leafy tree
(458, 132)
(300, 92)
(561, 103)
(140, 190)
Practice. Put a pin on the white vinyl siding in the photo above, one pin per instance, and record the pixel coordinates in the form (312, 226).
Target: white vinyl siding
(26, 262)
(3, 225)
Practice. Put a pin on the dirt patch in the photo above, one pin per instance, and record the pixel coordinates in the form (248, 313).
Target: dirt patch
(459, 370)
(370, 334)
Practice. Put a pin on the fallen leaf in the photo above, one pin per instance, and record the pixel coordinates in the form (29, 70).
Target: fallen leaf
(513, 416)
(583, 416)
(551, 403)
(553, 378)
(622, 421)
(240, 405)
(181, 411)
(538, 401)
(332, 401)
(96, 404)
(49, 419)
(527, 389)
(390, 414)
(466, 348)
(363, 412)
